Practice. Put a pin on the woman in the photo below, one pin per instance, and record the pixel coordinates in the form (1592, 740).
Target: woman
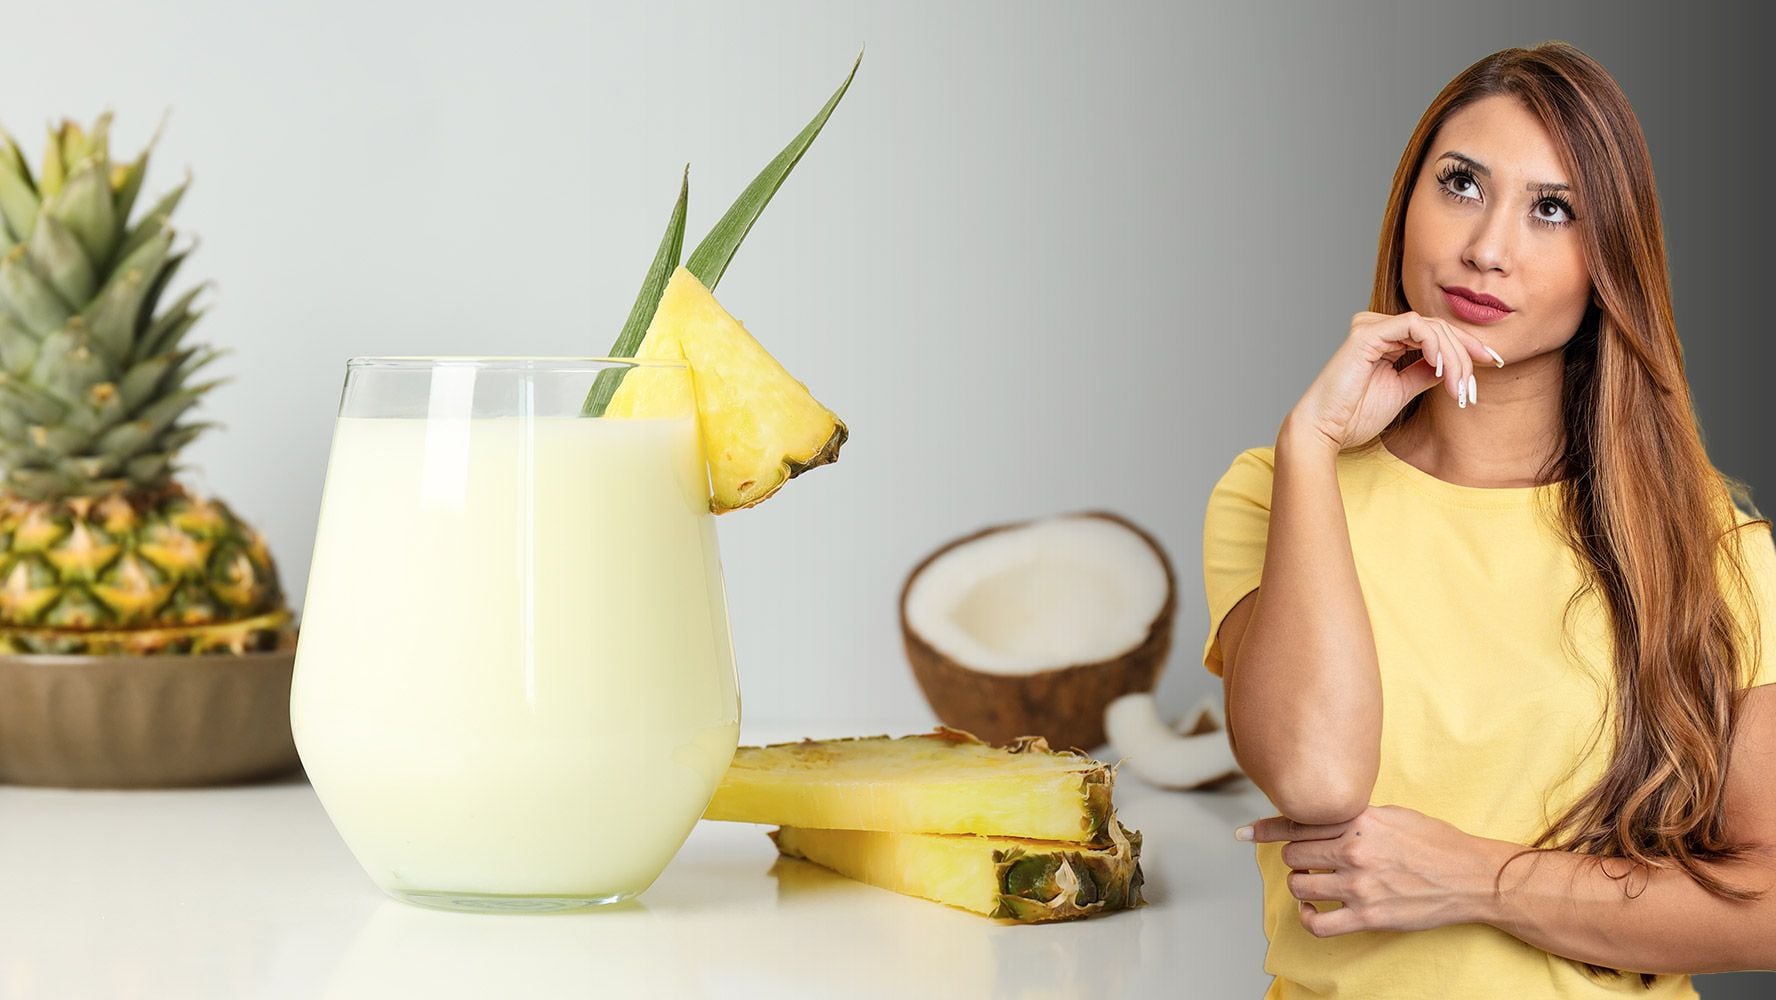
(1504, 675)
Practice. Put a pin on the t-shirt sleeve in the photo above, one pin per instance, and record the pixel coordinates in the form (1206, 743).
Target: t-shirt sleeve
(1235, 528)
(1759, 554)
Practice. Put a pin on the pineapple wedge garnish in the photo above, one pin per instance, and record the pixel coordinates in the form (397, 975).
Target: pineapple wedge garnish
(761, 427)
(1026, 881)
(941, 782)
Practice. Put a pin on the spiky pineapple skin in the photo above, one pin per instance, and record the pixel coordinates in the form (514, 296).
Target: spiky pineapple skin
(148, 573)
(1010, 879)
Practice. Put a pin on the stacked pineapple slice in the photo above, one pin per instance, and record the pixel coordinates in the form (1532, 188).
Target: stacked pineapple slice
(1019, 833)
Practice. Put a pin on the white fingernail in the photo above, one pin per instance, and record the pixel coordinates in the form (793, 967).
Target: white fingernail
(1461, 394)
(1243, 833)
(1439, 364)
(1473, 390)
(1495, 357)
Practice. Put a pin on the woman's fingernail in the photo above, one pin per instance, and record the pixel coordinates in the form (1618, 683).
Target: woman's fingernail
(1243, 833)
(1439, 364)
(1461, 394)
(1473, 390)
(1495, 356)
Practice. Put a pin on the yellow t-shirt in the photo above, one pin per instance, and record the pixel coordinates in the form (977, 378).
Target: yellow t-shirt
(1486, 704)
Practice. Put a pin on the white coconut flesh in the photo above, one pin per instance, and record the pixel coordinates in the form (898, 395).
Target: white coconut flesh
(1040, 596)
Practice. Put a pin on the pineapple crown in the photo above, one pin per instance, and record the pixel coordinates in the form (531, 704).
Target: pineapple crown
(94, 376)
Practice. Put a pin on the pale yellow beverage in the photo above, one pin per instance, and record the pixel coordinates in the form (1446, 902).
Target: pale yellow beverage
(514, 683)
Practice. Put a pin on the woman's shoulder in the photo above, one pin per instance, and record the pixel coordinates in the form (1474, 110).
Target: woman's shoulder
(1256, 467)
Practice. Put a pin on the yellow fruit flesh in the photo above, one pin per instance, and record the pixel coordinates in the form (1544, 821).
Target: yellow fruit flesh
(944, 782)
(954, 870)
(760, 426)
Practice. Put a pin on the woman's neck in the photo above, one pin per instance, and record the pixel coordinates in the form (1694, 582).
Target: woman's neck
(1506, 440)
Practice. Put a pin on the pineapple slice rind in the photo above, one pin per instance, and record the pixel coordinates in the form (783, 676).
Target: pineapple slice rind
(1012, 879)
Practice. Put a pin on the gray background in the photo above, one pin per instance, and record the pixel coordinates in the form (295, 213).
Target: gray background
(1045, 258)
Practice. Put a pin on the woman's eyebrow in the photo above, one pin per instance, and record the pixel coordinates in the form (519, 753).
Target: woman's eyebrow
(1481, 169)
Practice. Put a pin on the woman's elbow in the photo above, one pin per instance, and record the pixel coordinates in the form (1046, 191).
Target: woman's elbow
(1321, 797)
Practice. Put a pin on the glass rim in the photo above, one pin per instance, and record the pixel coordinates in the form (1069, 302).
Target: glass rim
(516, 362)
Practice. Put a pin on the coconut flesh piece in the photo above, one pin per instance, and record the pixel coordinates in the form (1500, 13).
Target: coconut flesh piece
(1040, 596)
(1191, 753)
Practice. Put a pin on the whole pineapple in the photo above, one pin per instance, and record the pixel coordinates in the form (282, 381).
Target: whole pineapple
(100, 550)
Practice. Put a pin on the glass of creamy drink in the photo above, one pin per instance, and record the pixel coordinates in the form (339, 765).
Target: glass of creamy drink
(514, 686)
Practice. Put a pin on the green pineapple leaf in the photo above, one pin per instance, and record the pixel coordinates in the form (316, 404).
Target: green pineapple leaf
(30, 297)
(710, 260)
(59, 257)
(646, 301)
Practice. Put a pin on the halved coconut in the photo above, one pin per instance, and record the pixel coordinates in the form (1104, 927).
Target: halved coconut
(1031, 629)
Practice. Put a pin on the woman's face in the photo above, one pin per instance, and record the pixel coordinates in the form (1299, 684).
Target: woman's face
(1491, 216)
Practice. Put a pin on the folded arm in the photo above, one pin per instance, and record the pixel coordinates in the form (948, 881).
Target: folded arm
(1661, 921)
(1302, 684)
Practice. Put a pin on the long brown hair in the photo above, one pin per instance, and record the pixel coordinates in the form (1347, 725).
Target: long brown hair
(1631, 457)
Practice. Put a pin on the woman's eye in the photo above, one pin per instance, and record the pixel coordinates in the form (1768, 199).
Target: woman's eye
(1461, 185)
(1549, 210)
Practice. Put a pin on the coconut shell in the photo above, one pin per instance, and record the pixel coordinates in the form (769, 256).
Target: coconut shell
(1064, 705)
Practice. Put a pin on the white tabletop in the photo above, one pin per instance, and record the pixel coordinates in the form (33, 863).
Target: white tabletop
(248, 893)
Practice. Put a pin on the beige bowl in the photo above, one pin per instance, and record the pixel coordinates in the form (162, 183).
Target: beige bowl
(159, 721)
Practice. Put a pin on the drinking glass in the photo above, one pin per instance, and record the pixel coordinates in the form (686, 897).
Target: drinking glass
(515, 684)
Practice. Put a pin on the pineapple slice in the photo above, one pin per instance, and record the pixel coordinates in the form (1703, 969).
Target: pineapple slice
(761, 427)
(1009, 878)
(941, 782)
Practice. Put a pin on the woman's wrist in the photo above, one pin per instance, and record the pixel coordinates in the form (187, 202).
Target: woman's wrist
(1300, 437)
(1482, 898)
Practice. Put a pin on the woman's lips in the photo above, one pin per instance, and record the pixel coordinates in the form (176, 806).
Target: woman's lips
(1475, 307)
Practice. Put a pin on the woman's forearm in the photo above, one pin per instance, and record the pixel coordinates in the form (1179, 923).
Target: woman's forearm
(1661, 921)
(1305, 698)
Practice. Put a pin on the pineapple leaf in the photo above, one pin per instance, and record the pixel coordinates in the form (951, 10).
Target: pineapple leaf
(53, 173)
(85, 207)
(646, 301)
(127, 440)
(163, 278)
(31, 298)
(37, 484)
(68, 365)
(18, 349)
(113, 316)
(163, 412)
(710, 259)
(182, 435)
(126, 184)
(170, 326)
(142, 381)
(18, 201)
(76, 146)
(193, 360)
(148, 468)
(13, 160)
(156, 219)
(60, 439)
(99, 141)
(31, 402)
(59, 257)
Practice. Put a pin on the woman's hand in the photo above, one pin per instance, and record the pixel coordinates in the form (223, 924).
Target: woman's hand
(1393, 868)
(1359, 392)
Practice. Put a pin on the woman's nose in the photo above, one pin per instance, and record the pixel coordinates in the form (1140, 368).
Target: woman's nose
(1492, 241)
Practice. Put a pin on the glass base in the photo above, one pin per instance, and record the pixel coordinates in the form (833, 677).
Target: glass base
(474, 902)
